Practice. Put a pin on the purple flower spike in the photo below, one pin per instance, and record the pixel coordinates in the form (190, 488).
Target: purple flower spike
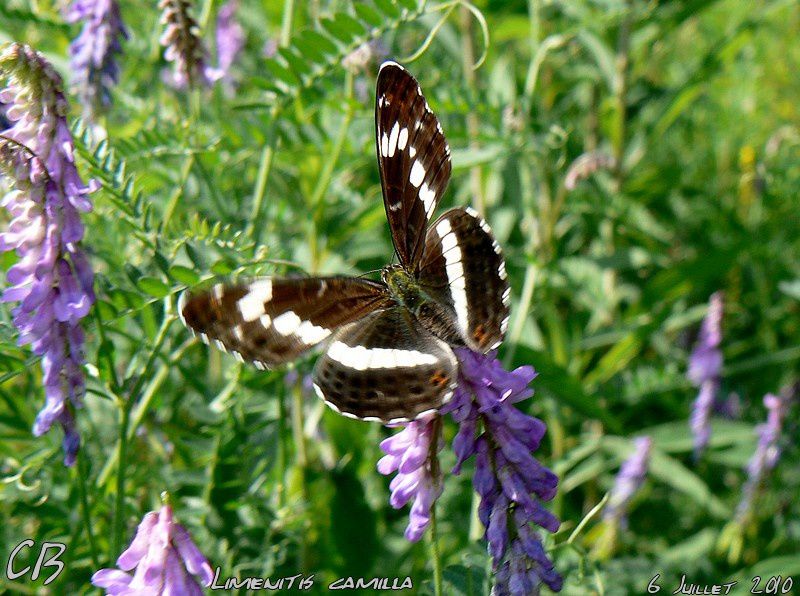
(418, 476)
(230, 39)
(512, 484)
(705, 368)
(767, 452)
(52, 280)
(92, 53)
(184, 47)
(629, 479)
(165, 559)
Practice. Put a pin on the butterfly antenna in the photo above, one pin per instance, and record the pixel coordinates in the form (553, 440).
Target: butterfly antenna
(369, 273)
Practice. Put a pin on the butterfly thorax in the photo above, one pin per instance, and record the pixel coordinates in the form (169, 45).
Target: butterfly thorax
(403, 287)
(409, 293)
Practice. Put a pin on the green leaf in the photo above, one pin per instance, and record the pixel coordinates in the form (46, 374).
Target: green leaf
(562, 385)
(343, 27)
(613, 361)
(368, 14)
(184, 275)
(388, 8)
(153, 286)
(675, 474)
(317, 44)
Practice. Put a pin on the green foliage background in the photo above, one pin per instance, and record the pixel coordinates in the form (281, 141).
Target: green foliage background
(696, 99)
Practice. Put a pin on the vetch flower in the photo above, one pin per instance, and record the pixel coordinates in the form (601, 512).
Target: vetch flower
(184, 46)
(230, 39)
(766, 454)
(585, 165)
(411, 454)
(510, 481)
(705, 368)
(165, 559)
(52, 280)
(370, 52)
(92, 53)
(629, 480)
(361, 60)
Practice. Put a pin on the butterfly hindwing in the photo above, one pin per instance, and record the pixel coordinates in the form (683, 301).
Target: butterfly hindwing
(463, 268)
(386, 367)
(413, 157)
(271, 321)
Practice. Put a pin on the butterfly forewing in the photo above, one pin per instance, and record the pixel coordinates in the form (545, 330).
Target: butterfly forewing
(413, 157)
(386, 367)
(463, 267)
(271, 321)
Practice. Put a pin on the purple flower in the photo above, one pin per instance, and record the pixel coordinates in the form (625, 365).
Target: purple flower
(4, 123)
(230, 39)
(409, 453)
(92, 53)
(705, 368)
(767, 452)
(629, 479)
(585, 165)
(511, 482)
(166, 560)
(184, 46)
(52, 279)
(370, 52)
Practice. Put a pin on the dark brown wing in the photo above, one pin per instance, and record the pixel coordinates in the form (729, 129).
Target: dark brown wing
(271, 321)
(463, 268)
(413, 157)
(386, 367)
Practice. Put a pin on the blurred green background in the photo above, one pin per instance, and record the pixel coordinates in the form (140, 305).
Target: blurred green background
(694, 106)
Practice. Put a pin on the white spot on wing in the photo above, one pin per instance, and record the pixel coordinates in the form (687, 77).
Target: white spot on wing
(455, 272)
(501, 270)
(310, 333)
(412, 151)
(417, 174)
(287, 323)
(182, 299)
(390, 63)
(402, 139)
(428, 198)
(384, 144)
(393, 139)
(361, 358)
(251, 305)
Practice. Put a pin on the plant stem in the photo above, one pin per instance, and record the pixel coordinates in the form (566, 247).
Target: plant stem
(178, 192)
(435, 554)
(473, 125)
(268, 152)
(125, 416)
(82, 473)
(282, 442)
(621, 63)
(326, 174)
(264, 167)
(297, 429)
(524, 305)
(433, 462)
(286, 21)
(119, 504)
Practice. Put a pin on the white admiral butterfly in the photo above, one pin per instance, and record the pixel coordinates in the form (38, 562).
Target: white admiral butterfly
(389, 355)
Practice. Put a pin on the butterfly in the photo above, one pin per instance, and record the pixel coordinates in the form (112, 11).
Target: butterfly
(389, 355)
